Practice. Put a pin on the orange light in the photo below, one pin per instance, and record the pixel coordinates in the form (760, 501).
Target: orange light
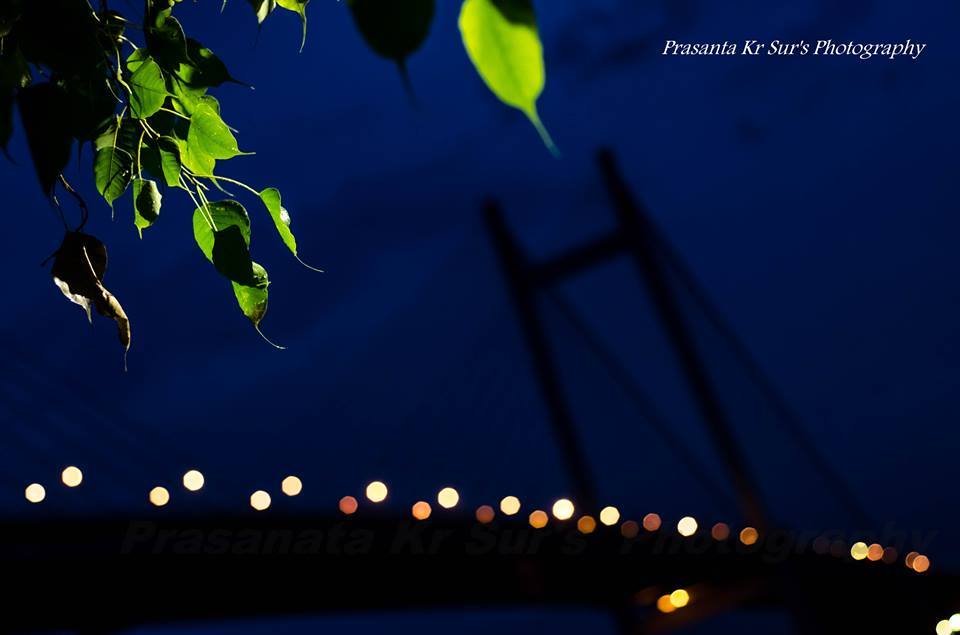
(664, 605)
(586, 525)
(874, 552)
(348, 505)
(485, 514)
(421, 510)
(687, 526)
(921, 564)
(910, 558)
(510, 505)
(749, 536)
(538, 519)
(629, 529)
(720, 531)
(651, 522)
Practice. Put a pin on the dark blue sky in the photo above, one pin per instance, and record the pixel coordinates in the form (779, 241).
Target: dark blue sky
(815, 198)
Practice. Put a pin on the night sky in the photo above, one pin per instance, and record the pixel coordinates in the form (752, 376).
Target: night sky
(815, 199)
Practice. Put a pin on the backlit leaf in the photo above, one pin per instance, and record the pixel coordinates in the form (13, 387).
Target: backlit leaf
(112, 171)
(281, 219)
(300, 8)
(209, 136)
(252, 298)
(148, 90)
(227, 243)
(146, 204)
(262, 8)
(501, 38)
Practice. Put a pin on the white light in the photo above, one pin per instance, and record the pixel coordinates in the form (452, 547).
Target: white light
(193, 480)
(35, 492)
(71, 476)
(260, 500)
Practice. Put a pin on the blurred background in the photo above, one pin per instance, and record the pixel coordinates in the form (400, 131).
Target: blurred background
(814, 198)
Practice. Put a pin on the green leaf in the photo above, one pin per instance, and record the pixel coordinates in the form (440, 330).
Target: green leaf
(227, 243)
(112, 171)
(300, 8)
(113, 166)
(394, 30)
(501, 38)
(162, 159)
(262, 8)
(146, 204)
(252, 298)
(148, 90)
(281, 219)
(209, 136)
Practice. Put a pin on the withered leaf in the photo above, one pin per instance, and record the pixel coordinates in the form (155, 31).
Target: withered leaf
(78, 269)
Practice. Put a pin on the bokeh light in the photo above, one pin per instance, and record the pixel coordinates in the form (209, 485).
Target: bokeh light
(651, 522)
(687, 526)
(291, 486)
(348, 505)
(921, 564)
(664, 605)
(448, 498)
(377, 492)
(586, 525)
(485, 514)
(944, 628)
(874, 552)
(421, 510)
(749, 536)
(71, 476)
(629, 529)
(859, 551)
(193, 480)
(609, 516)
(679, 598)
(538, 519)
(260, 500)
(720, 531)
(159, 496)
(35, 492)
(510, 505)
(910, 558)
(563, 509)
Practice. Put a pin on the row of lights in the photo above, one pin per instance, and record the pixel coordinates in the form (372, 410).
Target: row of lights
(563, 509)
(952, 625)
(877, 553)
